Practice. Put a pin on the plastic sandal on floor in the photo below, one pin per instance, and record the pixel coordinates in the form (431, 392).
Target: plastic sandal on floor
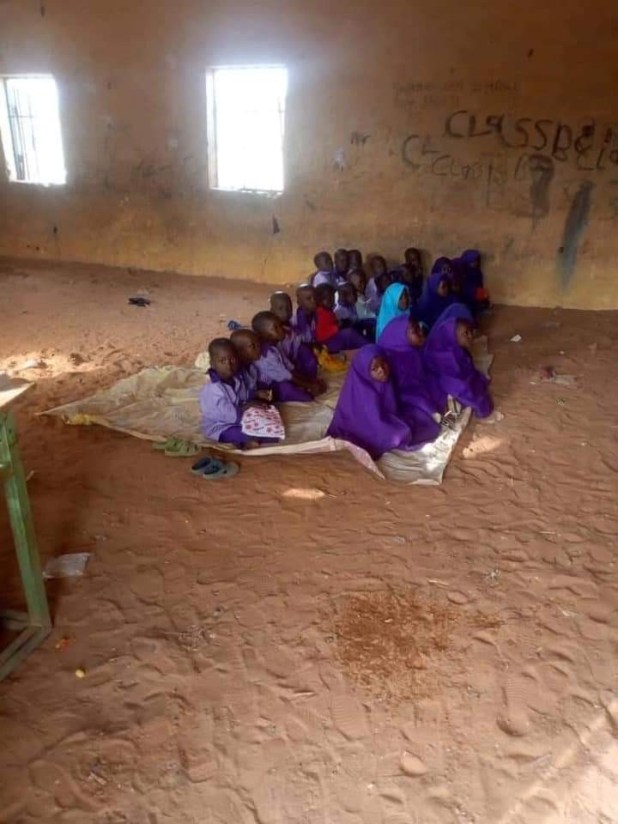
(211, 469)
(177, 448)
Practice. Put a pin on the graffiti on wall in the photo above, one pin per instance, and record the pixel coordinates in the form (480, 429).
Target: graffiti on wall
(590, 146)
(515, 155)
(514, 163)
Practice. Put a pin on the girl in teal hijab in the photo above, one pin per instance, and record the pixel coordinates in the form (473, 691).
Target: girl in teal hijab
(395, 302)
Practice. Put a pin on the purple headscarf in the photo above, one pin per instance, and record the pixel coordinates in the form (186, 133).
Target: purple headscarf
(473, 276)
(473, 282)
(366, 412)
(416, 388)
(431, 305)
(455, 370)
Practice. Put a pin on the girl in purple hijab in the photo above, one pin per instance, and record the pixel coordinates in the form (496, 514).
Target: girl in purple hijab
(436, 295)
(447, 356)
(473, 286)
(367, 414)
(421, 399)
(438, 302)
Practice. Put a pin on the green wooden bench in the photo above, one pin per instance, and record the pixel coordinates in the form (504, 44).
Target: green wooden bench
(35, 624)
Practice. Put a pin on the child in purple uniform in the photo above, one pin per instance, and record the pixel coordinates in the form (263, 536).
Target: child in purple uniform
(379, 282)
(355, 259)
(294, 347)
(346, 310)
(225, 397)
(342, 265)
(367, 413)
(447, 355)
(260, 348)
(325, 270)
(305, 313)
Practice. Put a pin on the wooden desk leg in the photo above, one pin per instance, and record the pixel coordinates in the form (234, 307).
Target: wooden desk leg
(20, 517)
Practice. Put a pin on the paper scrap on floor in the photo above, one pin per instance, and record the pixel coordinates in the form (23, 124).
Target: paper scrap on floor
(162, 402)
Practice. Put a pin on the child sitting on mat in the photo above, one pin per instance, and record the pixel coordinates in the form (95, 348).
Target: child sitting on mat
(327, 329)
(305, 312)
(359, 281)
(347, 313)
(421, 400)
(325, 270)
(355, 259)
(293, 347)
(379, 282)
(367, 413)
(259, 347)
(230, 391)
(342, 265)
(396, 301)
(447, 355)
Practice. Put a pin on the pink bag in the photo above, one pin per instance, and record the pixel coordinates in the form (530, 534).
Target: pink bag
(262, 422)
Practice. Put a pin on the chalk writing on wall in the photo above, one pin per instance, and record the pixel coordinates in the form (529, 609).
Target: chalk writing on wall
(447, 94)
(517, 158)
(591, 146)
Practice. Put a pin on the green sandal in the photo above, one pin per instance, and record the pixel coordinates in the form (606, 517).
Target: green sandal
(177, 448)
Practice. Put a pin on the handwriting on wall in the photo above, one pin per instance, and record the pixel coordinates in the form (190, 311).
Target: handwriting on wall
(517, 157)
(591, 146)
(433, 95)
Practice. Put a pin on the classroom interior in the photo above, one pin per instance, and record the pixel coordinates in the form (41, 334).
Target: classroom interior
(308, 642)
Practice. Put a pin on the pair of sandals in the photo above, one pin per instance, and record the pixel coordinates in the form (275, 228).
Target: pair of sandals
(212, 469)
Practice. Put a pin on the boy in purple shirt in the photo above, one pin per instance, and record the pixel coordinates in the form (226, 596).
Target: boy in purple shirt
(294, 346)
(325, 270)
(305, 313)
(342, 266)
(225, 397)
(258, 347)
(347, 312)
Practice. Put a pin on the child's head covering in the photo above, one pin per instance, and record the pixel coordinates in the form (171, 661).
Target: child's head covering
(432, 305)
(472, 274)
(389, 308)
(453, 366)
(366, 412)
(418, 392)
(394, 338)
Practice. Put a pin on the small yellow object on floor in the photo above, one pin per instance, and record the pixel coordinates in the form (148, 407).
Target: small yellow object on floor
(332, 363)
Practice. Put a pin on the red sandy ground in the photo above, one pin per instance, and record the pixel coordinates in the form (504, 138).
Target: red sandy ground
(306, 644)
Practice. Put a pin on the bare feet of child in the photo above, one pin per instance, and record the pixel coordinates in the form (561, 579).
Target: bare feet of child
(318, 387)
(495, 417)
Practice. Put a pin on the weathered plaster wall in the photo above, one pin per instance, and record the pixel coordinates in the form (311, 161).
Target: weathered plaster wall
(438, 123)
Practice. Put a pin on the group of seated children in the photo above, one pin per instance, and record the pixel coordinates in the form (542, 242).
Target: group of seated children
(396, 393)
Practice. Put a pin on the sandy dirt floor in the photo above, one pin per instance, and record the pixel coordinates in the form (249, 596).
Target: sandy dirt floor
(307, 644)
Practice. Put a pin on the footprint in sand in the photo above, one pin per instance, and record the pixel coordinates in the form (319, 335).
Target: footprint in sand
(514, 719)
(412, 765)
(349, 717)
(459, 598)
(147, 584)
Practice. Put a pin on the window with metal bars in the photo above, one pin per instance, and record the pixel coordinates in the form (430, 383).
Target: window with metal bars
(30, 129)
